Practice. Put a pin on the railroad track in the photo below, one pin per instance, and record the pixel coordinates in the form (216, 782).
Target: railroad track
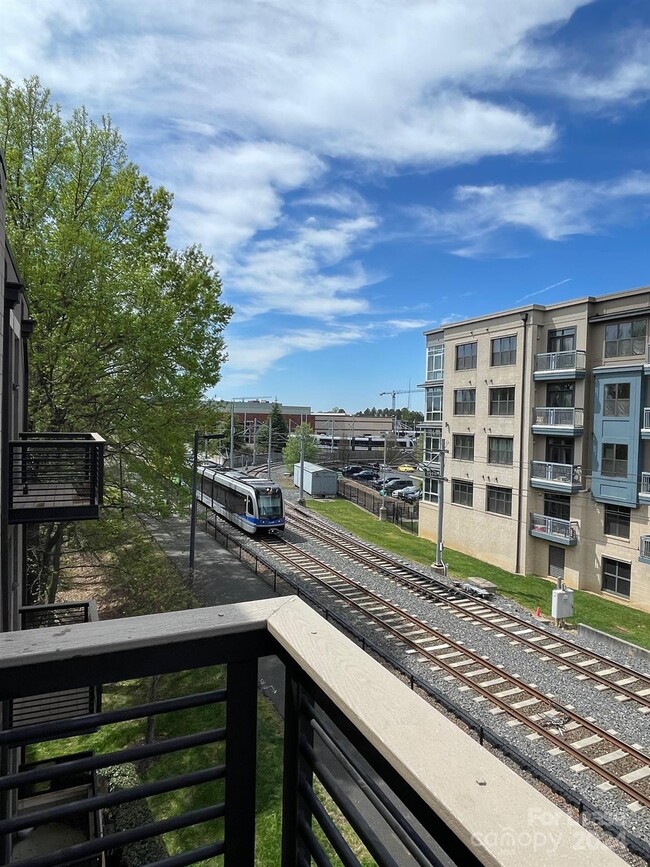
(609, 678)
(621, 766)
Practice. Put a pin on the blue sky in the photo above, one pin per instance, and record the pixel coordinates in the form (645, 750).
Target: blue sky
(363, 170)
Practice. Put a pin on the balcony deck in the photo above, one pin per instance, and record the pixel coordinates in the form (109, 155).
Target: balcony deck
(554, 529)
(55, 476)
(456, 789)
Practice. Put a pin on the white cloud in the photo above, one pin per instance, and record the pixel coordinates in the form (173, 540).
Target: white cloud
(553, 211)
(305, 272)
(363, 79)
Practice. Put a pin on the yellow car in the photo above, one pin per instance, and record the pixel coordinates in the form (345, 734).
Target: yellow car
(406, 468)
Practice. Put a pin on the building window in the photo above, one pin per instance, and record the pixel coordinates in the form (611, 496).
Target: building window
(616, 400)
(617, 521)
(616, 577)
(464, 447)
(614, 460)
(557, 506)
(466, 356)
(432, 445)
(562, 340)
(625, 338)
(434, 404)
(500, 450)
(499, 500)
(435, 362)
(504, 351)
(430, 490)
(464, 401)
(462, 492)
(502, 401)
(559, 450)
(560, 395)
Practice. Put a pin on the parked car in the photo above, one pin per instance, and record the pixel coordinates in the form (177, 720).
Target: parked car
(379, 483)
(410, 498)
(365, 475)
(406, 468)
(351, 469)
(409, 489)
(396, 485)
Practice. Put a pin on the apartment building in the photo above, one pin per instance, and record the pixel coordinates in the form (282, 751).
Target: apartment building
(544, 413)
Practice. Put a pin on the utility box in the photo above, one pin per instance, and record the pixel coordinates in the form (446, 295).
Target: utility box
(562, 604)
(317, 481)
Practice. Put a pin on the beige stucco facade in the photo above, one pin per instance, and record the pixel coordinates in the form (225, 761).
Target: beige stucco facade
(545, 472)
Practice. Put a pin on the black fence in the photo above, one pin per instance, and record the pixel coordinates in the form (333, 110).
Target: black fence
(405, 515)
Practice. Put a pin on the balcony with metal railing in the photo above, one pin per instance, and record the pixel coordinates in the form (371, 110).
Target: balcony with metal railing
(554, 530)
(567, 365)
(548, 476)
(644, 488)
(556, 421)
(63, 703)
(411, 786)
(644, 549)
(645, 430)
(55, 477)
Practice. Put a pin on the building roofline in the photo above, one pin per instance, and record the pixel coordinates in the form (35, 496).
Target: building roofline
(585, 299)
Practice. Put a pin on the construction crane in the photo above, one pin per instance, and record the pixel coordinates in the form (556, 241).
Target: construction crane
(397, 391)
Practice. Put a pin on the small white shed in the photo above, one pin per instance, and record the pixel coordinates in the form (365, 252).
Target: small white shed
(317, 481)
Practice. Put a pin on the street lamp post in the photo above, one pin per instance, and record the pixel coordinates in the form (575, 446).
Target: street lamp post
(301, 495)
(382, 508)
(195, 455)
(439, 564)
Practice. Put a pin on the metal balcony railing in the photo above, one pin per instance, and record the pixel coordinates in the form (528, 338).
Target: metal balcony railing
(566, 531)
(383, 755)
(63, 703)
(55, 476)
(550, 416)
(574, 359)
(645, 484)
(646, 418)
(644, 547)
(563, 474)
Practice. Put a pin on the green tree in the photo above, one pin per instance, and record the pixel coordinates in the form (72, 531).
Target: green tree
(129, 331)
(291, 452)
(279, 430)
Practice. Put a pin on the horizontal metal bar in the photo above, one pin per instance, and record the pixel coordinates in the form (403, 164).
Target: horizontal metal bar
(336, 839)
(313, 845)
(193, 857)
(118, 757)
(345, 804)
(100, 802)
(390, 813)
(63, 728)
(123, 838)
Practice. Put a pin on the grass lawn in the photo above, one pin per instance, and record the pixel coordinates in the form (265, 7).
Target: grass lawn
(528, 590)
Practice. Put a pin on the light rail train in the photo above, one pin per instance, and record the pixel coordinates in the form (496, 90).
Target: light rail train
(364, 443)
(254, 505)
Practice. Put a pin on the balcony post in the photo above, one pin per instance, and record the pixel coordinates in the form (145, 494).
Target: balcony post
(241, 764)
(293, 807)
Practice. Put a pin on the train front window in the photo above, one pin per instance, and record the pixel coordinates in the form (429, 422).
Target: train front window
(269, 504)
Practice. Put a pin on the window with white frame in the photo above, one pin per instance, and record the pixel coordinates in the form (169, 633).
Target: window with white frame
(616, 399)
(430, 491)
(433, 407)
(435, 361)
(614, 461)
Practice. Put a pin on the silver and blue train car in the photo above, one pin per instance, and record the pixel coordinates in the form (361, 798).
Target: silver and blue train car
(254, 505)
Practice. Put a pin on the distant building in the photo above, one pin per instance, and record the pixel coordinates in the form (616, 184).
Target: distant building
(252, 414)
(545, 417)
